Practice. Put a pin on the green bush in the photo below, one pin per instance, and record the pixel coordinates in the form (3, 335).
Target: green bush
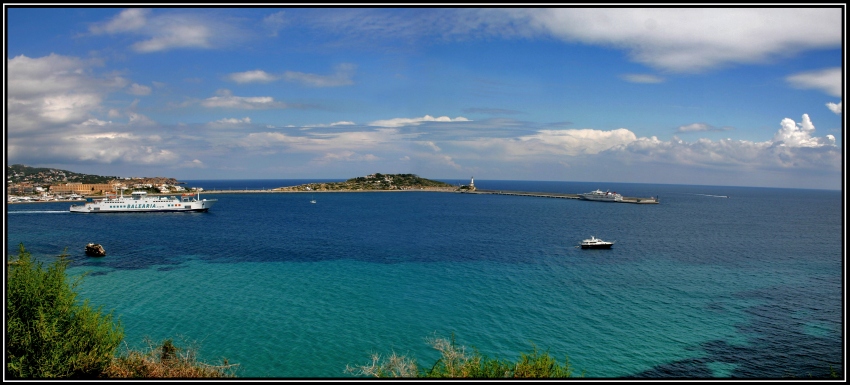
(456, 362)
(49, 333)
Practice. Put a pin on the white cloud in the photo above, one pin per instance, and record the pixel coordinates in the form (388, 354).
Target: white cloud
(552, 142)
(828, 80)
(194, 163)
(836, 108)
(699, 127)
(137, 119)
(55, 90)
(176, 36)
(227, 100)
(692, 39)
(347, 156)
(245, 120)
(341, 77)
(137, 89)
(127, 21)
(799, 134)
(793, 147)
(274, 22)
(685, 39)
(166, 31)
(256, 76)
(399, 122)
(642, 78)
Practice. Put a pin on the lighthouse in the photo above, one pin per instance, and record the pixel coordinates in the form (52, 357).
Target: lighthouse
(471, 183)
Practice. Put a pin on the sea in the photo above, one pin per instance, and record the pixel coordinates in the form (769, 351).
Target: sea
(712, 283)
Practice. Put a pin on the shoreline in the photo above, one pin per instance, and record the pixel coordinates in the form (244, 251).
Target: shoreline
(266, 191)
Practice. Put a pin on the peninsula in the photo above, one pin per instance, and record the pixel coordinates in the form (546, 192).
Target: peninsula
(376, 182)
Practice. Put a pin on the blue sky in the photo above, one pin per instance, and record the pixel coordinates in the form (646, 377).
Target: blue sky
(707, 96)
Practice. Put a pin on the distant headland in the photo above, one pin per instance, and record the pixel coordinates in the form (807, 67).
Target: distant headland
(376, 182)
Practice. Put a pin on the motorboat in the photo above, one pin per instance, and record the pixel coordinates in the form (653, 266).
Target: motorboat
(595, 243)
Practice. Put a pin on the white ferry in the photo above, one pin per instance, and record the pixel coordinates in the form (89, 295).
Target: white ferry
(605, 196)
(595, 243)
(139, 202)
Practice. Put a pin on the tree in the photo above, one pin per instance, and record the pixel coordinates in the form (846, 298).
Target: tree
(49, 333)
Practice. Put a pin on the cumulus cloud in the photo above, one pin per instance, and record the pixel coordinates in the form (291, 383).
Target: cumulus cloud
(828, 80)
(800, 134)
(104, 147)
(793, 146)
(53, 90)
(836, 108)
(341, 77)
(399, 122)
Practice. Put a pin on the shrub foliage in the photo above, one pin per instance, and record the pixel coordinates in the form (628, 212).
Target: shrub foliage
(49, 333)
(457, 362)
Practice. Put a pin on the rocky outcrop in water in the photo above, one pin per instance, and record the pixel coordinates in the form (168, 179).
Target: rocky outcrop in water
(95, 250)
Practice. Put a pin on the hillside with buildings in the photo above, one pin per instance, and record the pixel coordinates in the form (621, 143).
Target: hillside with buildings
(51, 184)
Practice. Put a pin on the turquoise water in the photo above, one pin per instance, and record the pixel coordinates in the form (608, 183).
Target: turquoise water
(748, 286)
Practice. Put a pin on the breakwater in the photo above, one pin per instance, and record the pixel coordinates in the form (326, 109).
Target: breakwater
(650, 200)
(638, 200)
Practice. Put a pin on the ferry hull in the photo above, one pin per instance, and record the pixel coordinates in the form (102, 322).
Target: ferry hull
(596, 246)
(99, 211)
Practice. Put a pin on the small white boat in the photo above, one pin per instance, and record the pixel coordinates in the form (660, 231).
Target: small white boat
(595, 243)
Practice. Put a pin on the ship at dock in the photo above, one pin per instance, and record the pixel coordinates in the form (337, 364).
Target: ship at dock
(604, 196)
(140, 202)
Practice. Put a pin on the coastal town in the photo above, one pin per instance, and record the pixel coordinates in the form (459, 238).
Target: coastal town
(31, 184)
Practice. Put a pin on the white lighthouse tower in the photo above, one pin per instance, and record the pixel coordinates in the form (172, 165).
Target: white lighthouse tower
(472, 183)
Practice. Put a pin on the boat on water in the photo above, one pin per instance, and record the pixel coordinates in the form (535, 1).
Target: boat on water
(604, 196)
(595, 243)
(140, 202)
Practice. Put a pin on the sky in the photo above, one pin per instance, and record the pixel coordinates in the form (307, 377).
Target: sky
(701, 96)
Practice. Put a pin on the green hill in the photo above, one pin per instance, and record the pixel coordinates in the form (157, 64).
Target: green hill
(376, 182)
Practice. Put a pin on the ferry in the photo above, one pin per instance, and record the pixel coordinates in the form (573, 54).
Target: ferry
(139, 202)
(599, 195)
(595, 243)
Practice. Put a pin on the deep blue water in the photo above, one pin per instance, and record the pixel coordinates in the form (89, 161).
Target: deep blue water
(699, 286)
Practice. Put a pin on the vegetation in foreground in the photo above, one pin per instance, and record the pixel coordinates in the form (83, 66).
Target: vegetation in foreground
(456, 362)
(51, 335)
(165, 360)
